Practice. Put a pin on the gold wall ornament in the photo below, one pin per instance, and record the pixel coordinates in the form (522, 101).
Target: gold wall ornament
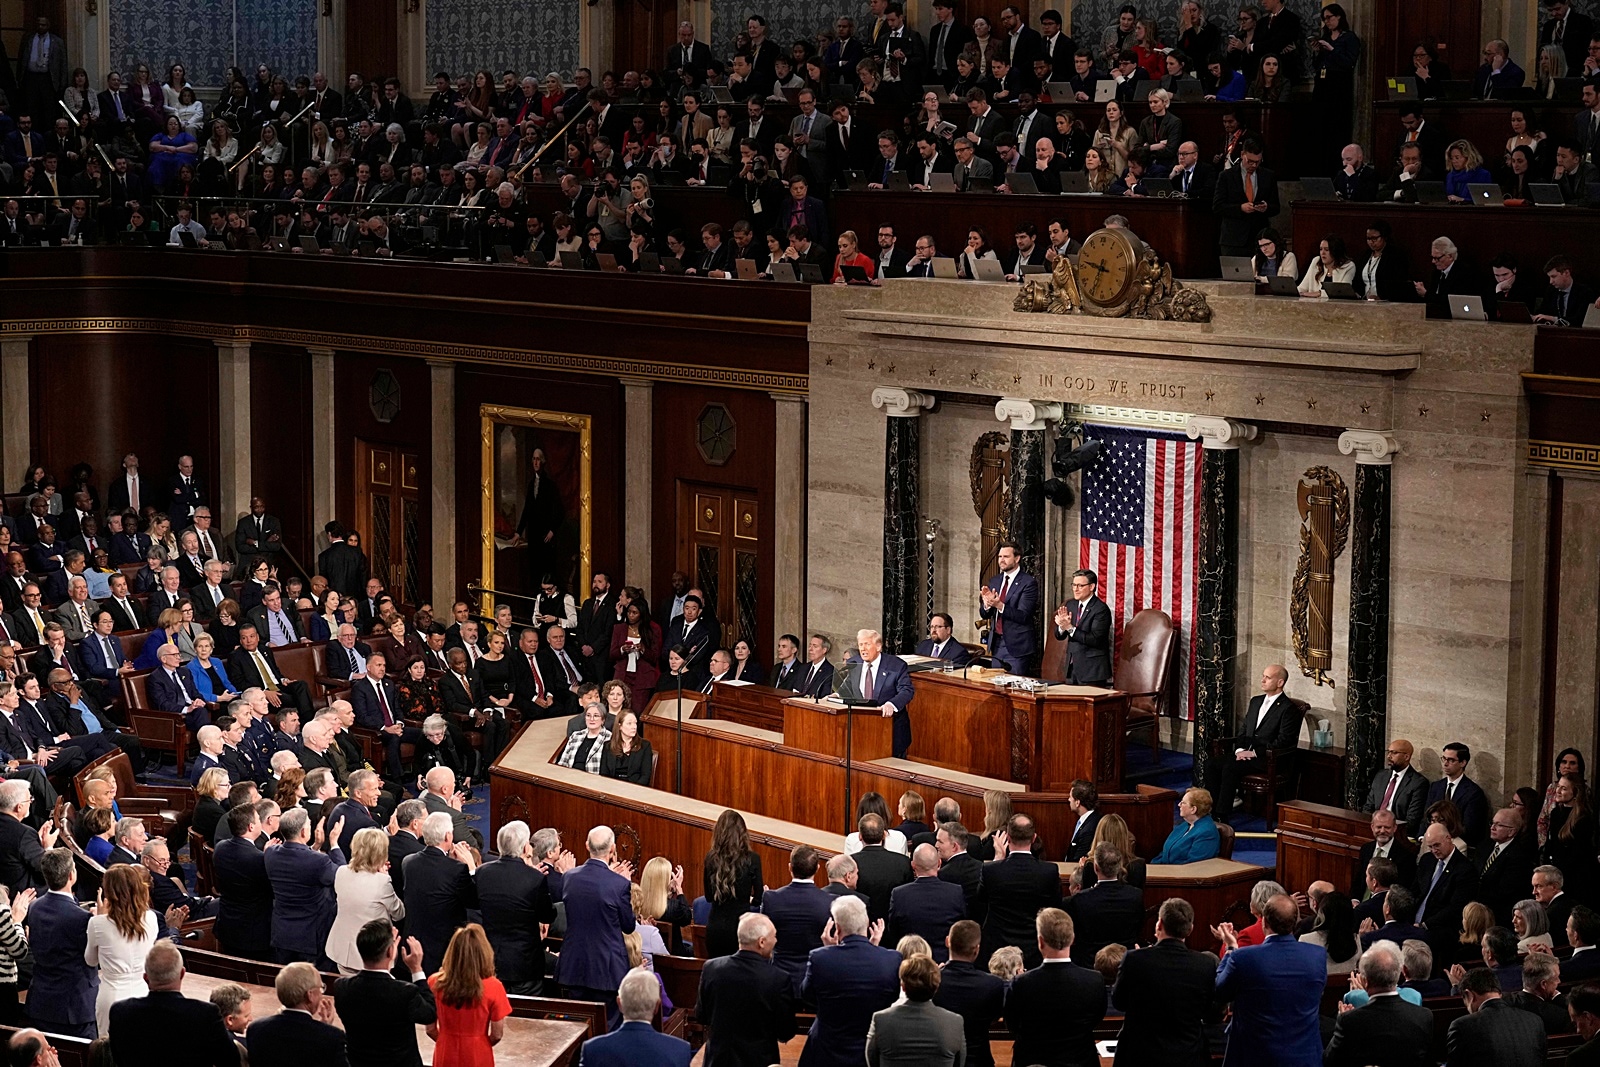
(1324, 505)
(1116, 276)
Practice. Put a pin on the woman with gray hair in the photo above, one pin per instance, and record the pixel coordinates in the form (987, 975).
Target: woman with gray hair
(363, 891)
(1531, 925)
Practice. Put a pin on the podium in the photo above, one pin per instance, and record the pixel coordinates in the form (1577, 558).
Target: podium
(1317, 841)
(823, 727)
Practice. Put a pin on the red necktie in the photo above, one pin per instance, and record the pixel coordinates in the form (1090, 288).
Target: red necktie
(383, 702)
(537, 680)
(1388, 794)
(866, 684)
(999, 619)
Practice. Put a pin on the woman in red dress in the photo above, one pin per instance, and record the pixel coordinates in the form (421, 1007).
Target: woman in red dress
(472, 1003)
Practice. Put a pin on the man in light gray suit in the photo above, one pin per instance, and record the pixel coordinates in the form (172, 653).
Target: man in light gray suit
(809, 131)
(1400, 788)
(969, 165)
(915, 1030)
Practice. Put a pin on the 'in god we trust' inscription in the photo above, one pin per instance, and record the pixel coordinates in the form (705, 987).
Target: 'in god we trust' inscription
(1107, 387)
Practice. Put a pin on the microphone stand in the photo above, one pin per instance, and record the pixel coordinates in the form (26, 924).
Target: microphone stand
(288, 133)
(849, 747)
(677, 777)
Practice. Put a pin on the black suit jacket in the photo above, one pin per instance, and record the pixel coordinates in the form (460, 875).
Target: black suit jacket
(1463, 279)
(1052, 1011)
(294, 1039)
(1502, 884)
(1014, 889)
(819, 685)
(747, 1003)
(1105, 914)
(401, 845)
(191, 1032)
(1385, 1032)
(124, 618)
(927, 907)
(1404, 857)
(881, 871)
(701, 642)
(965, 871)
(1239, 229)
(979, 998)
(438, 892)
(1087, 659)
(1499, 1035)
(1166, 1000)
(1393, 277)
(1279, 731)
(1442, 912)
(515, 898)
(1083, 837)
(20, 852)
(372, 1005)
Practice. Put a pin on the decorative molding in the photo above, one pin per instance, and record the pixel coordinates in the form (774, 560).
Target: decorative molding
(1370, 446)
(1565, 455)
(1027, 414)
(1107, 413)
(901, 403)
(314, 340)
(1213, 432)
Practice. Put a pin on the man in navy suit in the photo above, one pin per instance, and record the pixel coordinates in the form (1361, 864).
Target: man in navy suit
(789, 672)
(302, 888)
(1276, 990)
(1011, 600)
(971, 992)
(439, 888)
(939, 644)
(745, 1001)
(1014, 889)
(1462, 791)
(377, 706)
(191, 1030)
(848, 978)
(1085, 626)
(594, 957)
(348, 658)
(636, 1041)
(1083, 800)
(1110, 912)
(816, 677)
(883, 679)
(244, 892)
(170, 689)
(926, 905)
(1446, 882)
(799, 911)
(1053, 1008)
(61, 998)
(1399, 919)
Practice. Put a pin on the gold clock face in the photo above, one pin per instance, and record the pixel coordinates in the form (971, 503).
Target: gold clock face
(1105, 268)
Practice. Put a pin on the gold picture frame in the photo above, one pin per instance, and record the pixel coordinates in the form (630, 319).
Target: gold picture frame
(492, 418)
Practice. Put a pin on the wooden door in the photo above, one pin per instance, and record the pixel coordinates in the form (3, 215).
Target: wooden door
(1453, 27)
(389, 510)
(372, 39)
(991, 493)
(718, 548)
(642, 32)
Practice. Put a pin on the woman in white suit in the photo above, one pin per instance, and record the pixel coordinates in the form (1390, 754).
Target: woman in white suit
(364, 892)
(119, 938)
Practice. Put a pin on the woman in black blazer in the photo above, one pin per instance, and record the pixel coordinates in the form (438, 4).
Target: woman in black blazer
(745, 666)
(628, 756)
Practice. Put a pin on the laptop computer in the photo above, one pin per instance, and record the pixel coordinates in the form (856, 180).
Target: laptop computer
(1314, 188)
(308, 245)
(252, 242)
(1547, 194)
(1190, 89)
(721, 94)
(1512, 311)
(649, 263)
(810, 273)
(746, 269)
(1569, 90)
(1431, 192)
(944, 267)
(943, 182)
(854, 275)
(1455, 89)
(1402, 88)
(1486, 194)
(1021, 182)
(1340, 290)
(607, 262)
(536, 259)
(503, 254)
(1035, 268)
(571, 261)
(1282, 286)
(1060, 92)
(1591, 318)
(1238, 269)
(1074, 181)
(1156, 186)
(898, 182)
(783, 271)
(937, 89)
(1469, 307)
(990, 270)
(1104, 89)
(672, 265)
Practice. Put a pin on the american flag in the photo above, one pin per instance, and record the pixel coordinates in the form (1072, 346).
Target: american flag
(1141, 534)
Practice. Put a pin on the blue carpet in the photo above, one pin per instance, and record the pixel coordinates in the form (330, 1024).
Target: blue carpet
(1175, 770)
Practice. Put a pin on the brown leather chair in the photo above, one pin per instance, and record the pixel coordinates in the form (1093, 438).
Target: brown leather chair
(1145, 657)
(201, 853)
(1278, 780)
(1224, 841)
(160, 731)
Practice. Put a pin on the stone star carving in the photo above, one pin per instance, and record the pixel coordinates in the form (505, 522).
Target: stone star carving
(1016, 379)
(1366, 406)
(828, 362)
(1210, 395)
(1260, 399)
(872, 364)
(932, 371)
(890, 368)
(974, 375)
(1423, 411)
(1484, 415)
(1311, 405)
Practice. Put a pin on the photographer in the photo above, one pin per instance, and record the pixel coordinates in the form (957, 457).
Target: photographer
(754, 184)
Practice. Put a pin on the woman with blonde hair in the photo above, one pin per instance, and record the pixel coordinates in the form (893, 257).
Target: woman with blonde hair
(472, 1003)
(1195, 836)
(913, 945)
(996, 813)
(120, 934)
(1113, 830)
(1464, 168)
(664, 902)
(364, 892)
(1006, 963)
(211, 796)
(1476, 918)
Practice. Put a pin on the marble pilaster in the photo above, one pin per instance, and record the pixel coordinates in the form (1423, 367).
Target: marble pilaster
(442, 480)
(902, 449)
(1217, 609)
(1029, 421)
(16, 437)
(233, 399)
(1367, 687)
(638, 395)
(324, 461)
(789, 505)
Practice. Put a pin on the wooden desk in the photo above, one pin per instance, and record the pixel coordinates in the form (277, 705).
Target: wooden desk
(1316, 841)
(1218, 889)
(1043, 740)
(1532, 234)
(753, 705)
(1486, 123)
(835, 730)
(1322, 774)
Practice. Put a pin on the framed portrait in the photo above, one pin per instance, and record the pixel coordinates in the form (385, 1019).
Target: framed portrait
(537, 501)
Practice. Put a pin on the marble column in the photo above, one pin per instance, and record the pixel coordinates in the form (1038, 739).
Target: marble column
(324, 460)
(442, 479)
(638, 396)
(1367, 688)
(1025, 509)
(789, 515)
(233, 398)
(1217, 610)
(902, 535)
(16, 436)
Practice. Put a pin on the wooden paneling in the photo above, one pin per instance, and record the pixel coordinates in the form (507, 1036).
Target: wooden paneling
(280, 441)
(372, 39)
(95, 397)
(1486, 123)
(1453, 27)
(832, 730)
(751, 468)
(1317, 841)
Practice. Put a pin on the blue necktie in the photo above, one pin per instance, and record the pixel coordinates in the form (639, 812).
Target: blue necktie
(1422, 908)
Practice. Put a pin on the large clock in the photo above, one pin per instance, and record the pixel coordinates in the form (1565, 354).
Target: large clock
(1107, 271)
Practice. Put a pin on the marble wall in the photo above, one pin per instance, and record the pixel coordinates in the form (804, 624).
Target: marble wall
(537, 37)
(208, 36)
(1466, 599)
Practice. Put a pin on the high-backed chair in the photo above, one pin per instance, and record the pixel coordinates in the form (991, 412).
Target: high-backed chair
(1145, 655)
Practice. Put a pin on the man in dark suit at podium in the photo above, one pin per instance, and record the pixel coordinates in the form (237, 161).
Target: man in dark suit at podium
(1011, 600)
(1272, 723)
(885, 680)
(940, 645)
(1085, 626)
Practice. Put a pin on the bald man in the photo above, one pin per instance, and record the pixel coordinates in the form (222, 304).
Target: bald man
(927, 905)
(1271, 723)
(1400, 788)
